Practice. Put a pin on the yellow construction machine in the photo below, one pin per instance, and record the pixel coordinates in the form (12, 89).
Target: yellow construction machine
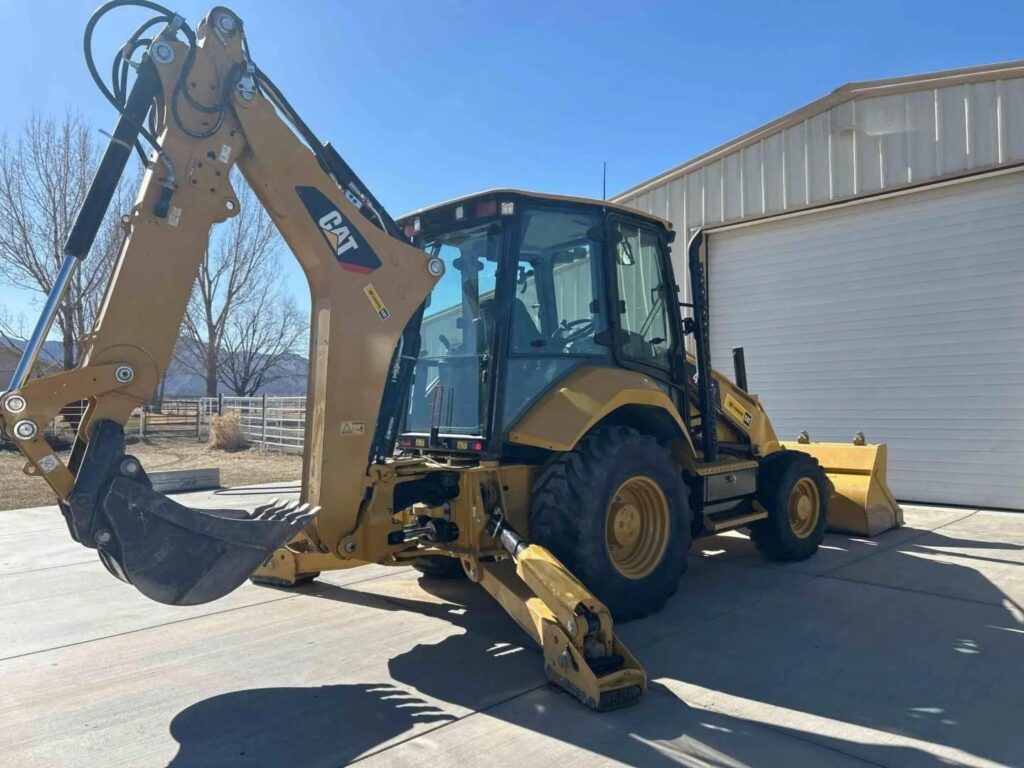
(499, 385)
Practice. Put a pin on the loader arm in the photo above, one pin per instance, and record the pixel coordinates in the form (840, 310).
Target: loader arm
(209, 110)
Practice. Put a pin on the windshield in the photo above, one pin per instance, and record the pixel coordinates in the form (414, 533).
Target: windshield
(450, 383)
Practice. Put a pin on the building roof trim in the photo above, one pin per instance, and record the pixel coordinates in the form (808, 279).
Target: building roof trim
(847, 92)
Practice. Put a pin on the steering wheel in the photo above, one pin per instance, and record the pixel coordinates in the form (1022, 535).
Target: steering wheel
(570, 330)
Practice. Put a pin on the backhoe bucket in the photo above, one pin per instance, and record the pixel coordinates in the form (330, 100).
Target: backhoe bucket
(861, 500)
(182, 556)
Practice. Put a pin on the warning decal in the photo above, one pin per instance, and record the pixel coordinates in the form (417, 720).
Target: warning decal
(737, 411)
(353, 427)
(376, 301)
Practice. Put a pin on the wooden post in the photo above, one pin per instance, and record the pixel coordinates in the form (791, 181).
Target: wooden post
(142, 421)
(220, 403)
(263, 438)
(199, 420)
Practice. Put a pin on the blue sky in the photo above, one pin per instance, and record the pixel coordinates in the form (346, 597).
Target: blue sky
(429, 100)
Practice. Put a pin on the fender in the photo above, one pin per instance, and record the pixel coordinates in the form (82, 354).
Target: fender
(562, 416)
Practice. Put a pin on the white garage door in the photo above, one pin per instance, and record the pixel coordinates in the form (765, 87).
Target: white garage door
(902, 318)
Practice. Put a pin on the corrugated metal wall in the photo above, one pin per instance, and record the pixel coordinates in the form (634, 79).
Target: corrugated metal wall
(854, 148)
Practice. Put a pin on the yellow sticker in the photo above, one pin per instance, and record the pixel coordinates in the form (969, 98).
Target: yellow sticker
(376, 301)
(353, 427)
(737, 411)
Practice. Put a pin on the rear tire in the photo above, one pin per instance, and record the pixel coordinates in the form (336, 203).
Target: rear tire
(439, 567)
(794, 490)
(615, 512)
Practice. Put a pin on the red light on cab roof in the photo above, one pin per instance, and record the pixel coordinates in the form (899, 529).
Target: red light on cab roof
(487, 208)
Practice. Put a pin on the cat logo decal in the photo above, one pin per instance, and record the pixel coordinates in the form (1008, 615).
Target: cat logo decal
(348, 246)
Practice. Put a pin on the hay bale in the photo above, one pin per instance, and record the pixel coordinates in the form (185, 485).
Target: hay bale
(226, 432)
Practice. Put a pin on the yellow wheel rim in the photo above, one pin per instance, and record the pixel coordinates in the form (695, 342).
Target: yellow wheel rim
(636, 531)
(804, 508)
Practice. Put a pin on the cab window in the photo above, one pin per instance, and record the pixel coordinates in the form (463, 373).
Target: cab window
(556, 306)
(643, 294)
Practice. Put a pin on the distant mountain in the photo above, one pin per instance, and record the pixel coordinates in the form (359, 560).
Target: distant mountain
(181, 382)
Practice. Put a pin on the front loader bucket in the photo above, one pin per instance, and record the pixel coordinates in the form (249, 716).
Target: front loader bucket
(861, 500)
(182, 556)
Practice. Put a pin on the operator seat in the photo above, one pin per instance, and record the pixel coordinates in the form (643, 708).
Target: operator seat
(524, 330)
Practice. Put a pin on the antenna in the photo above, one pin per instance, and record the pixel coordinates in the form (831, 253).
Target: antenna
(604, 180)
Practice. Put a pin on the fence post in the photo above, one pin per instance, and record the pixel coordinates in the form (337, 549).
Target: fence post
(142, 421)
(220, 403)
(263, 436)
(199, 420)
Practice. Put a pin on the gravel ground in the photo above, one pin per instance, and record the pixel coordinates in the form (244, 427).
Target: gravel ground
(240, 468)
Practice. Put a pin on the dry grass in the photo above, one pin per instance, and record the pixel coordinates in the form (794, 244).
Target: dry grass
(246, 467)
(226, 433)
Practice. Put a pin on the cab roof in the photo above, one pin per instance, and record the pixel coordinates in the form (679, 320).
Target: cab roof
(540, 196)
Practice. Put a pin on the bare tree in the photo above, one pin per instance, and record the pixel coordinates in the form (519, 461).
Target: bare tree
(259, 340)
(239, 269)
(12, 332)
(44, 176)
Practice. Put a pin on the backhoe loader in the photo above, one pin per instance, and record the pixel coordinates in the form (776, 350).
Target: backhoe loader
(499, 385)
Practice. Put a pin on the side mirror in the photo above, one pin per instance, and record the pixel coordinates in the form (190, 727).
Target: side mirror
(624, 253)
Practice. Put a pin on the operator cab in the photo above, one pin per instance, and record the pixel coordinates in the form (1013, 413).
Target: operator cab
(534, 287)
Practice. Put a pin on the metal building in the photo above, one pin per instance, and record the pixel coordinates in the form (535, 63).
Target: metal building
(867, 251)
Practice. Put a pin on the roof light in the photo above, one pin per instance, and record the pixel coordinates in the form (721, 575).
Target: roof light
(487, 208)
(507, 209)
(460, 213)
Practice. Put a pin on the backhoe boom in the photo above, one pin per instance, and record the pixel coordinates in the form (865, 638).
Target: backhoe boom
(366, 284)
(211, 110)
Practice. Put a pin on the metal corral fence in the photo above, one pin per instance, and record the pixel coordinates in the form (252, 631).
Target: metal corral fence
(169, 418)
(271, 421)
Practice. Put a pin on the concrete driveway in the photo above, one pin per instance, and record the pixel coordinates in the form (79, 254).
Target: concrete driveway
(903, 650)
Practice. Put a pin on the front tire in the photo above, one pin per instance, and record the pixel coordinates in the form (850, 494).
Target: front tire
(794, 490)
(439, 567)
(615, 512)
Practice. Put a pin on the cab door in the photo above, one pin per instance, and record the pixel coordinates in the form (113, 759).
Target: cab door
(647, 334)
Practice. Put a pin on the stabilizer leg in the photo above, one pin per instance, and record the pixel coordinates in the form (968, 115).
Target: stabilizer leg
(582, 655)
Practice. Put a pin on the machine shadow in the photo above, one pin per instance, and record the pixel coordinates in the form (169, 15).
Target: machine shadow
(433, 685)
(318, 726)
(940, 674)
(492, 666)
